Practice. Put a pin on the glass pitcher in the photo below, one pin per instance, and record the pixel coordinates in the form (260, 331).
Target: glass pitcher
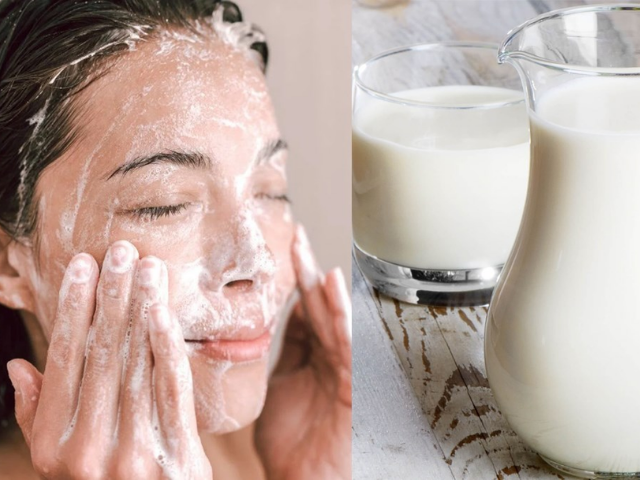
(562, 345)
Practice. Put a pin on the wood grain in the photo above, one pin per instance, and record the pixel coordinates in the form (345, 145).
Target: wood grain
(392, 438)
(422, 404)
(441, 351)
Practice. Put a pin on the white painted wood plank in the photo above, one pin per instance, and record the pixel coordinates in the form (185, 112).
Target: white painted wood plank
(423, 21)
(391, 435)
(426, 21)
(441, 350)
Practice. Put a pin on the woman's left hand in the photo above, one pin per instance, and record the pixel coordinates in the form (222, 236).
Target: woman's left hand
(304, 431)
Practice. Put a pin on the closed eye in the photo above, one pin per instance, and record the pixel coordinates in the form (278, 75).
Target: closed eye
(280, 198)
(154, 213)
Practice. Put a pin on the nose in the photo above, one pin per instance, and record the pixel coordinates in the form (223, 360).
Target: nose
(241, 259)
(242, 285)
(252, 267)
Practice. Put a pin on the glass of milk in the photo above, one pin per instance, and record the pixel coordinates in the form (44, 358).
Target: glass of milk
(562, 341)
(440, 170)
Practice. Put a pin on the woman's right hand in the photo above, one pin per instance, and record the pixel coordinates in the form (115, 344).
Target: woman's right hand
(116, 397)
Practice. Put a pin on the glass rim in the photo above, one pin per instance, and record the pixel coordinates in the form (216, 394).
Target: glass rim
(448, 44)
(505, 56)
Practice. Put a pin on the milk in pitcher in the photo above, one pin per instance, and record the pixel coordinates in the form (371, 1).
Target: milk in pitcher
(563, 340)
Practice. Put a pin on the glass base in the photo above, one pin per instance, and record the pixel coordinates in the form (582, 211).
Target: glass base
(429, 287)
(588, 474)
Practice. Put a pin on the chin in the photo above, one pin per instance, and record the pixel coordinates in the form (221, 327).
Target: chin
(228, 396)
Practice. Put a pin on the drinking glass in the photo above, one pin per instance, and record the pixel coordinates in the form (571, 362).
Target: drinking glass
(440, 170)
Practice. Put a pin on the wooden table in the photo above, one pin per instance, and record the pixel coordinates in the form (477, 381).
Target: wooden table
(422, 404)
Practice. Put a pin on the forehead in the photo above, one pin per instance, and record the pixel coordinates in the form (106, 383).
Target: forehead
(176, 93)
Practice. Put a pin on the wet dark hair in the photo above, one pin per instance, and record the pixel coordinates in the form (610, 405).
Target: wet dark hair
(50, 50)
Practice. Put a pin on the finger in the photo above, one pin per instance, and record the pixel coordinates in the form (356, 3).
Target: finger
(27, 382)
(150, 287)
(99, 394)
(172, 379)
(313, 295)
(340, 307)
(296, 343)
(65, 358)
(308, 272)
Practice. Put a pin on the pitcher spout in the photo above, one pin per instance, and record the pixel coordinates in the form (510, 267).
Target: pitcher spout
(509, 49)
(529, 41)
(578, 39)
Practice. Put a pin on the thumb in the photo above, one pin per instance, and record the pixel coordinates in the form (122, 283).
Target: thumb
(27, 382)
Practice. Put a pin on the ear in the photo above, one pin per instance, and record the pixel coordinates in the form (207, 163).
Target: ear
(15, 287)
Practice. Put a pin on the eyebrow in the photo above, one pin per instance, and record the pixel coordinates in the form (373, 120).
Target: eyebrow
(194, 160)
(269, 150)
(186, 159)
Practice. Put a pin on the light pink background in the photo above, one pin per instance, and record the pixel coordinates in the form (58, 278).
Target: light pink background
(309, 75)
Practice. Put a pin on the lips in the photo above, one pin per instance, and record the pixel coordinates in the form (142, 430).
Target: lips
(237, 349)
(238, 329)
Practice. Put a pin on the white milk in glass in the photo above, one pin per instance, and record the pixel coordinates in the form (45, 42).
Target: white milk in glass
(440, 188)
(563, 340)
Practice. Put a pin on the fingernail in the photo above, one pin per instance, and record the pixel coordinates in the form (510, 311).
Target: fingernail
(310, 275)
(341, 283)
(120, 257)
(150, 272)
(14, 372)
(80, 268)
(159, 318)
(340, 298)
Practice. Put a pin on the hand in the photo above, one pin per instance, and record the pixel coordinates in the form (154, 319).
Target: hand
(116, 398)
(305, 428)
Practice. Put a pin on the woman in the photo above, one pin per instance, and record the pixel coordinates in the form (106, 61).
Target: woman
(148, 256)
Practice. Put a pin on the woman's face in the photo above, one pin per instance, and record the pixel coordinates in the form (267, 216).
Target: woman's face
(180, 154)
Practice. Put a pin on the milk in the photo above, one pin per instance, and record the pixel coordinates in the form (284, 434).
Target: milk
(440, 188)
(563, 333)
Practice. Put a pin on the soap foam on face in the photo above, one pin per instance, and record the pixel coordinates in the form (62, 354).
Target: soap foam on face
(199, 309)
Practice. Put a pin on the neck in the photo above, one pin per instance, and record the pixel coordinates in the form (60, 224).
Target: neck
(233, 455)
(39, 342)
(15, 457)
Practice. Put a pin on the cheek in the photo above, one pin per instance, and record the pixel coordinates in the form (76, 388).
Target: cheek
(279, 237)
(285, 276)
(171, 243)
(45, 285)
